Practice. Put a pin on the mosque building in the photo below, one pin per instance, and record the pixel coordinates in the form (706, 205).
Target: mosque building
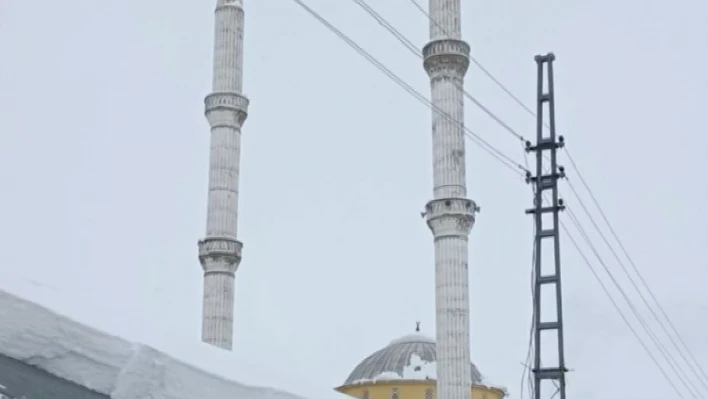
(406, 369)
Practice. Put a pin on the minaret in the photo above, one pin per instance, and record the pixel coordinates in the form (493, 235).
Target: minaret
(450, 215)
(226, 110)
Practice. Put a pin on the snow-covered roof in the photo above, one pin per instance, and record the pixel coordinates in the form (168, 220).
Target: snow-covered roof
(411, 357)
(107, 364)
(21, 381)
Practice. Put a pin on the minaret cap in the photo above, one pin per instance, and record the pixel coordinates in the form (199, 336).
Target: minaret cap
(233, 3)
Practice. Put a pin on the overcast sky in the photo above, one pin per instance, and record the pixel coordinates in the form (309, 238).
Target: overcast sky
(104, 158)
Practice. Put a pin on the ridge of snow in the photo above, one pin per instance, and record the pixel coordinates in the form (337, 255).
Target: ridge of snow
(416, 369)
(410, 338)
(107, 364)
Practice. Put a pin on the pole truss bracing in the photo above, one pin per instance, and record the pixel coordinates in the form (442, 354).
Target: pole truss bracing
(544, 182)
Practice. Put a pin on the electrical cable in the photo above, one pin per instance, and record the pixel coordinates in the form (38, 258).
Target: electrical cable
(500, 156)
(479, 65)
(614, 303)
(638, 273)
(634, 310)
(581, 230)
(415, 50)
(634, 284)
(526, 375)
(407, 43)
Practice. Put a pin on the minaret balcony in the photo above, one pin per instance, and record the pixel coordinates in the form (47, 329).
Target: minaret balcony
(445, 57)
(451, 216)
(226, 109)
(220, 251)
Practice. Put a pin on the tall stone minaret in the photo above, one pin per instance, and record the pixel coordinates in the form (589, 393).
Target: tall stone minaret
(226, 110)
(450, 215)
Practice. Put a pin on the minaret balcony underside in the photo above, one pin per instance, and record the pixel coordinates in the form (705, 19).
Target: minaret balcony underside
(220, 255)
(229, 4)
(446, 58)
(226, 109)
(451, 217)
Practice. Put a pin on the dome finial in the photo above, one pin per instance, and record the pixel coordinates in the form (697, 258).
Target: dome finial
(417, 326)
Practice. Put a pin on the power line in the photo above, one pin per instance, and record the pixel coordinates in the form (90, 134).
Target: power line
(634, 284)
(408, 44)
(416, 51)
(614, 303)
(638, 273)
(479, 65)
(587, 262)
(527, 375)
(496, 153)
(634, 310)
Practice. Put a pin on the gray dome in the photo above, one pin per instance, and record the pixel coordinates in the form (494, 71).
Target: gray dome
(397, 358)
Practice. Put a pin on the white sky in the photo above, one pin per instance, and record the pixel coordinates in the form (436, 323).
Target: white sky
(104, 155)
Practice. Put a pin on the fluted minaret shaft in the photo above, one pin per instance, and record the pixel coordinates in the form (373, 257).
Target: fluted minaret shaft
(450, 215)
(226, 110)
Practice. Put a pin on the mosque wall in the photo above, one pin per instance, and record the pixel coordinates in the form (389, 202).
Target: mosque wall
(424, 389)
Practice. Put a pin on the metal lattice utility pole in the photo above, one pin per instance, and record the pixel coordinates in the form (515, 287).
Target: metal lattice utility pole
(546, 179)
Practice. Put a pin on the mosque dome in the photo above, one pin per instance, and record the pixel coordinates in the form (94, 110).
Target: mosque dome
(412, 357)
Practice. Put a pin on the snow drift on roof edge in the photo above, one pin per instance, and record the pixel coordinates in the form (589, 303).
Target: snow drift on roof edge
(107, 364)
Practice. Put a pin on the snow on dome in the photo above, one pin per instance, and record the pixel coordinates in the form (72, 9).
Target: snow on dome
(411, 357)
(107, 364)
(412, 338)
(419, 369)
